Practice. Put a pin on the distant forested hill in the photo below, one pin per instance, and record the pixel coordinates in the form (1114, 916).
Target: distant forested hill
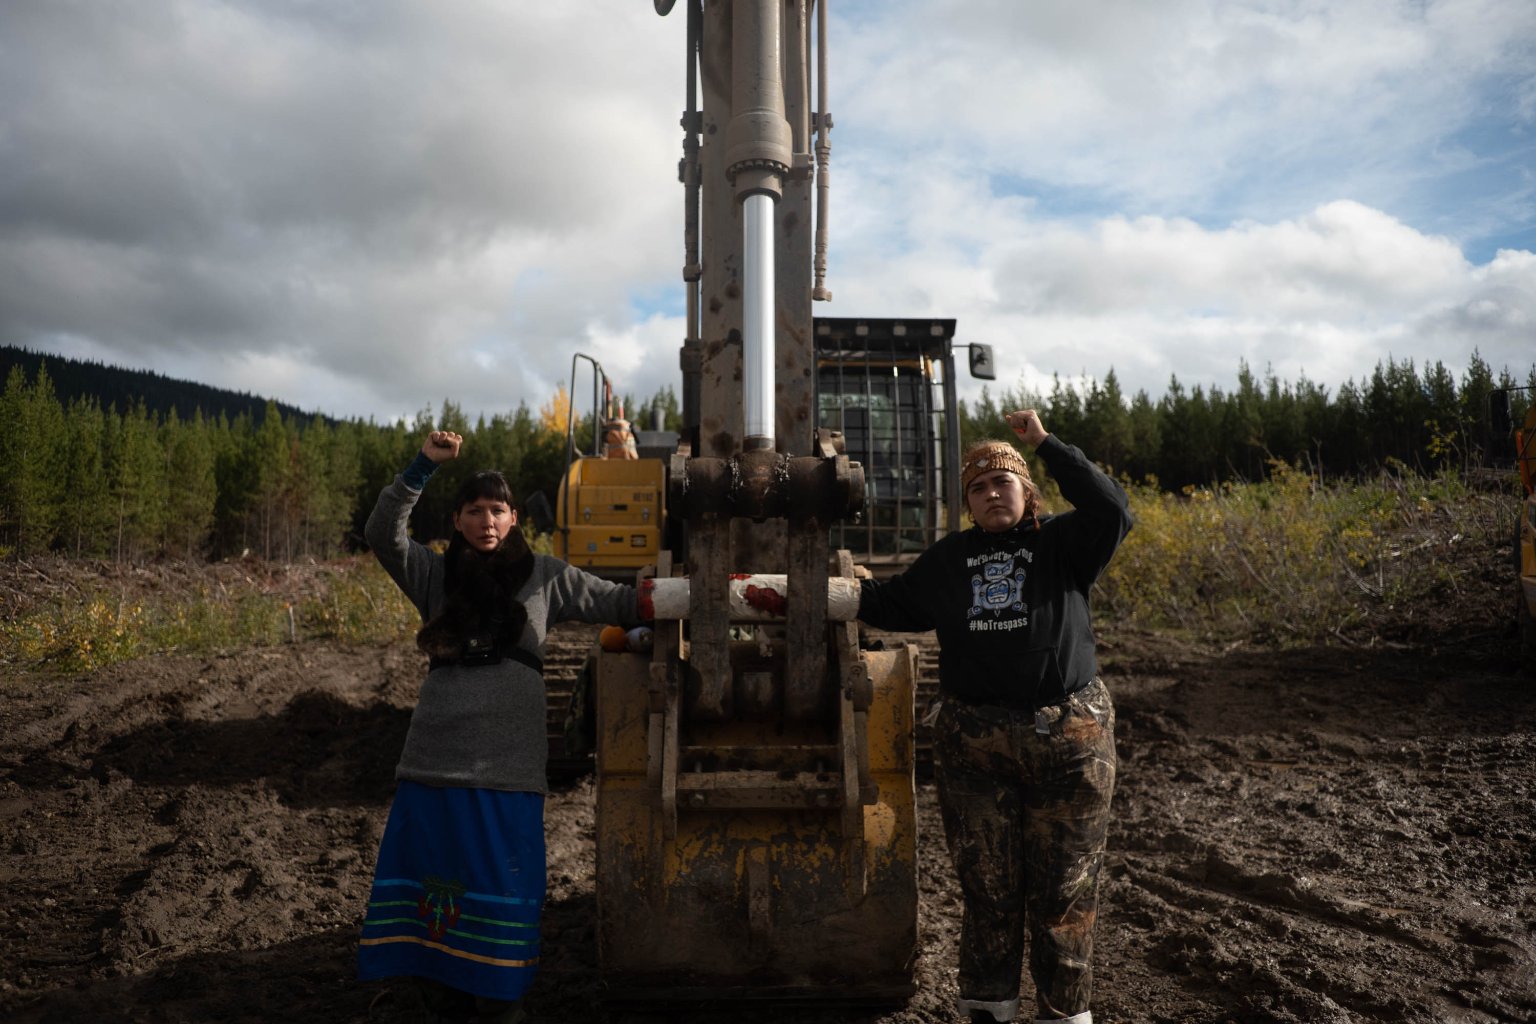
(114, 387)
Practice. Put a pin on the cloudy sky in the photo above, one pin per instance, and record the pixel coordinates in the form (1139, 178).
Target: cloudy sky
(363, 208)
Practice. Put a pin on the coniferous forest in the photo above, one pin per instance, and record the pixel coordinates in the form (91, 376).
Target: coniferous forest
(192, 472)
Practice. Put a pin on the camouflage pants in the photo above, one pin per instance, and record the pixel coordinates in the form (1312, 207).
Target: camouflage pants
(1025, 799)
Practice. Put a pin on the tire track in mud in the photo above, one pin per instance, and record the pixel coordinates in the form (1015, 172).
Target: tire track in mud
(1299, 837)
(1272, 908)
(1293, 837)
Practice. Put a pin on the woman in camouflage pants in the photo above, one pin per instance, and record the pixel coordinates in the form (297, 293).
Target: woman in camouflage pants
(1024, 740)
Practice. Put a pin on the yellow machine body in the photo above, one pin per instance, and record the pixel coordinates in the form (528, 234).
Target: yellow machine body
(609, 514)
(730, 862)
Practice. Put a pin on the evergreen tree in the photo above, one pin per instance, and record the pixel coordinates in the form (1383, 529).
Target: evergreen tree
(344, 474)
(1106, 425)
(1146, 438)
(32, 449)
(382, 452)
(86, 521)
(323, 489)
(1064, 410)
(982, 421)
(1245, 448)
(1317, 416)
(541, 457)
(1476, 385)
(495, 439)
(1283, 420)
(1351, 447)
(1190, 451)
(1396, 410)
(272, 474)
(1443, 423)
(136, 467)
(191, 486)
(234, 477)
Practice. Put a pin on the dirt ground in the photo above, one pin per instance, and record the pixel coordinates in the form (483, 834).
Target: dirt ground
(1315, 835)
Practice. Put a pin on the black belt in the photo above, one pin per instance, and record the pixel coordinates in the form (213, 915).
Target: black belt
(528, 658)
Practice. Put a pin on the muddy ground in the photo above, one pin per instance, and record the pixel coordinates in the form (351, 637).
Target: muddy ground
(1321, 835)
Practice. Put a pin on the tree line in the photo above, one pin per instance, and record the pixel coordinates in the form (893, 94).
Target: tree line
(1427, 421)
(131, 485)
(90, 479)
(116, 385)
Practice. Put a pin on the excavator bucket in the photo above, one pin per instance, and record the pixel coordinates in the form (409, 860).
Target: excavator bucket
(765, 858)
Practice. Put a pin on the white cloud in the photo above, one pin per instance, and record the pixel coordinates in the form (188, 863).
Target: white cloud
(365, 209)
(1189, 103)
(364, 197)
(1328, 295)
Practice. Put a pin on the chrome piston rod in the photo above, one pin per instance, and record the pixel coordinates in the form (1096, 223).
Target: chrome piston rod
(758, 320)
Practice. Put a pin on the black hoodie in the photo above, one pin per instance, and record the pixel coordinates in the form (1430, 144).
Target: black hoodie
(1011, 608)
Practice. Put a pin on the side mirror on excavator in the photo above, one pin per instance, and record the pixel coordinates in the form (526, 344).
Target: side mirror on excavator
(981, 362)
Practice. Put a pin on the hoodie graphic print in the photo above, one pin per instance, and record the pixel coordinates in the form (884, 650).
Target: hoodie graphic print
(998, 591)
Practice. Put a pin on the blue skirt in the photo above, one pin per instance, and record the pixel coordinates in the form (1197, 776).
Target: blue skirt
(458, 890)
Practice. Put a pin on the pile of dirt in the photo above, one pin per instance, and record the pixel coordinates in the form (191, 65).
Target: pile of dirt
(1321, 835)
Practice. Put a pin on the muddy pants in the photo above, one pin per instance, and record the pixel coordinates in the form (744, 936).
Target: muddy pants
(1025, 799)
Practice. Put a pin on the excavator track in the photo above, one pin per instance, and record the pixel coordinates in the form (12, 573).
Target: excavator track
(566, 647)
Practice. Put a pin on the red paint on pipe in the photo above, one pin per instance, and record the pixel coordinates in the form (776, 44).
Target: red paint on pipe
(766, 599)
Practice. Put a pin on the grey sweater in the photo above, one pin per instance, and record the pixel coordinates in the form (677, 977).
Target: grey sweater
(483, 726)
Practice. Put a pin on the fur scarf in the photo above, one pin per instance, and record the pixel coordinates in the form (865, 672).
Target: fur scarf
(481, 590)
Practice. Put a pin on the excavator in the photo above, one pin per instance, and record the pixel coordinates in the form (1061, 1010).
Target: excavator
(756, 833)
(886, 385)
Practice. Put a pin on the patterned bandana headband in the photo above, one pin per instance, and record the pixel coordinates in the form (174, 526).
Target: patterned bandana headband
(999, 455)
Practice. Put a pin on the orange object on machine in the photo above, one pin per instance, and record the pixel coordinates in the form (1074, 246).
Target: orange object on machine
(619, 440)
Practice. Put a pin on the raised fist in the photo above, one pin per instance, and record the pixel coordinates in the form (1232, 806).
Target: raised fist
(1026, 423)
(442, 445)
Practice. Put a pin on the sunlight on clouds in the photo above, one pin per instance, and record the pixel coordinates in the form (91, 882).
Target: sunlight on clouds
(1241, 107)
(1342, 260)
(371, 208)
(633, 354)
(1327, 294)
(1500, 311)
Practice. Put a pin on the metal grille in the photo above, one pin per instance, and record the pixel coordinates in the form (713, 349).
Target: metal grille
(887, 385)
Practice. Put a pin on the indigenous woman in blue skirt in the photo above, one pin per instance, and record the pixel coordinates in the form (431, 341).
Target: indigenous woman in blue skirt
(460, 879)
